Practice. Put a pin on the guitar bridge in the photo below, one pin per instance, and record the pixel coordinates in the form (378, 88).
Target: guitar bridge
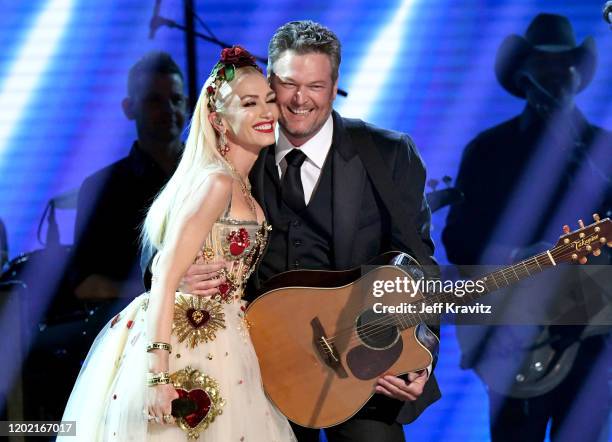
(326, 349)
(329, 349)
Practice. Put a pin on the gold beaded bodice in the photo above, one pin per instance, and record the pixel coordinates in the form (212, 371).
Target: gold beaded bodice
(240, 244)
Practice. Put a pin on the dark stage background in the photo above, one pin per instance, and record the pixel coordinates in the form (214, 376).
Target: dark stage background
(421, 67)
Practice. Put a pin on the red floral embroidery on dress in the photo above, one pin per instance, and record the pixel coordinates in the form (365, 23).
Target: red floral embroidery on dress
(238, 241)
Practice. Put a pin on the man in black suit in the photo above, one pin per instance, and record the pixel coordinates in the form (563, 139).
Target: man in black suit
(326, 212)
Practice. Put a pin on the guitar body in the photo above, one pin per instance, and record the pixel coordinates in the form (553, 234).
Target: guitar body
(313, 386)
(323, 338)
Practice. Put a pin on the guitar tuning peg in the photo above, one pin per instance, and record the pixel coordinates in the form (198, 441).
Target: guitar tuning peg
(433, 183)
(581, 224)
(597, 252)
(566, 229)
(596, 217)
(583, 260)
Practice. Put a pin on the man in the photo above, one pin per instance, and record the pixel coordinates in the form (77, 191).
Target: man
(113, 202)
(325, 211)
(522, 180)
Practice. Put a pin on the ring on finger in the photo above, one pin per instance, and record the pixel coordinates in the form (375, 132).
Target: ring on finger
(148, 416)
(167, 418)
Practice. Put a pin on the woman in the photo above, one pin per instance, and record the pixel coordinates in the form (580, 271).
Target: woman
(173, 366)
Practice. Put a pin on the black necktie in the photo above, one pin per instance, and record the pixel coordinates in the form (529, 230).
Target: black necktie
(291, 186)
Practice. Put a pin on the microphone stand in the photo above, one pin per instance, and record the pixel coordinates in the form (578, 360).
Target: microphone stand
(190, 43)
(191, 35)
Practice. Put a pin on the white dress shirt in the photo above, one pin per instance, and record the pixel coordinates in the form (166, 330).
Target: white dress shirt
(315, 149)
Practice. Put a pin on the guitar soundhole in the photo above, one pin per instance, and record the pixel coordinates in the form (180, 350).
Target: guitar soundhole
(376, 331)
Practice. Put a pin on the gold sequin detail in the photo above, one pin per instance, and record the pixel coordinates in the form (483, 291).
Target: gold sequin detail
(197, 319)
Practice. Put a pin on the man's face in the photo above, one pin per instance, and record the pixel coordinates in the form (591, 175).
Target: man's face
(558, 76)
(159, 107)
(305, 93)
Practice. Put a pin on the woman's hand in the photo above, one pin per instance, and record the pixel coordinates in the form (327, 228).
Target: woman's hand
(159, 403)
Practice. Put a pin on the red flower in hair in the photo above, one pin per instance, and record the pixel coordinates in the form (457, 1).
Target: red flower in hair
(238, 56)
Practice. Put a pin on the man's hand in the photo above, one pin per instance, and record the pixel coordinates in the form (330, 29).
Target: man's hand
(399, 389)
(202, 279)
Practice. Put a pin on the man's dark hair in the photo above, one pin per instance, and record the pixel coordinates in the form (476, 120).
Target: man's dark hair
(155, 62)
(305, 37)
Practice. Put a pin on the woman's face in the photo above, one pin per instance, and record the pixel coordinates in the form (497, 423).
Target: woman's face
(250, 113)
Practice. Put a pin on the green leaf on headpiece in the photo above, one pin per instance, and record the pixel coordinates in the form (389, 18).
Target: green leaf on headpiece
(215, 69)
(229, 72)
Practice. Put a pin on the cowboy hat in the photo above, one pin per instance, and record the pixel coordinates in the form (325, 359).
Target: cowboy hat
(547, 33)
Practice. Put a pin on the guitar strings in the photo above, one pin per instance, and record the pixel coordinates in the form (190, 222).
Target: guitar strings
(379, 326)
(383, 323)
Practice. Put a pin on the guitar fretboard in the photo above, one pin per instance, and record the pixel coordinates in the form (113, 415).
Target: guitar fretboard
(498, 279)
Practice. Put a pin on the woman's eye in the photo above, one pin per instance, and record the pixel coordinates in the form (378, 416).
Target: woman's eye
(249, 104)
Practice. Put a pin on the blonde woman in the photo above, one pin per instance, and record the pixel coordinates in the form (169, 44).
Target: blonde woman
(174, 366)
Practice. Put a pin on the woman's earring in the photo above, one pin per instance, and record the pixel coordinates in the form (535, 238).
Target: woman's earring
(223, 147)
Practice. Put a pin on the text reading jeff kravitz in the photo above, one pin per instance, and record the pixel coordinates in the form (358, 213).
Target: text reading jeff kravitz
(430, 296)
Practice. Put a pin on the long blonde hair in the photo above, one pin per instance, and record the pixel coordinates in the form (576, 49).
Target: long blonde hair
(200, 159)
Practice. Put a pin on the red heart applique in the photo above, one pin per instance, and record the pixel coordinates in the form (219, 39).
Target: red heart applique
(197, 318)
(225, 288)
(202, 401)
(238, 241)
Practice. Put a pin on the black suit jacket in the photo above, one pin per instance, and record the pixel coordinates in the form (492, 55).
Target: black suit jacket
(362, 227)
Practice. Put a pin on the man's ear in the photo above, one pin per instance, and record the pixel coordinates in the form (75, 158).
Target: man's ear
(127, 104)
(217, 123)
(335, 89)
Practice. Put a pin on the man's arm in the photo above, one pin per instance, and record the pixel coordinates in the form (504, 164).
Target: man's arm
(92, 236)
(200, 279)
(409, 179)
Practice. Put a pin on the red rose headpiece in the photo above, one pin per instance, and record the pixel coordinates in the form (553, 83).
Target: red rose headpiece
(225, 70)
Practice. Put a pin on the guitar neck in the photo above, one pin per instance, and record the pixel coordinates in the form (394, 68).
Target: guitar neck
(490, 282)
(512, 274)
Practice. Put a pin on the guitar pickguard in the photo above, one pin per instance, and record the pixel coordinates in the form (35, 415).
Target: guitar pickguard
(368, 363)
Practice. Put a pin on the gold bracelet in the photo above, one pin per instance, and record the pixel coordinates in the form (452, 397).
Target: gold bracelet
(159, 346)
(154, 379)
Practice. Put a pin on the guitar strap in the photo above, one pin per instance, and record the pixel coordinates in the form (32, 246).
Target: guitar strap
(380, 175)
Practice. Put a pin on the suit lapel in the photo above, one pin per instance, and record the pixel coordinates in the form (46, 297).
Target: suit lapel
(257, 178)
(348, 181)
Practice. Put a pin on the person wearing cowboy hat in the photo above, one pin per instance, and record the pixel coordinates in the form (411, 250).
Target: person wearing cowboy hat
(522, 180)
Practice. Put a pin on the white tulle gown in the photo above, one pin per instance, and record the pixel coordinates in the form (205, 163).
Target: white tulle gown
(212, 362)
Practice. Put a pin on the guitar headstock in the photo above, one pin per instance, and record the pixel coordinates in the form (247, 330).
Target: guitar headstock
(577, 245)
(437, 199)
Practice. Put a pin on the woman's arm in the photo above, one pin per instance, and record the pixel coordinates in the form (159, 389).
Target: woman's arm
(182, 243)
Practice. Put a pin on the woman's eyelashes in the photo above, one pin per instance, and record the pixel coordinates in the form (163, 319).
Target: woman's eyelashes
(254, 103)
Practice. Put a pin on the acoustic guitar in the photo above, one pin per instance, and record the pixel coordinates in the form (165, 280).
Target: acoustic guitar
(322, 340)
